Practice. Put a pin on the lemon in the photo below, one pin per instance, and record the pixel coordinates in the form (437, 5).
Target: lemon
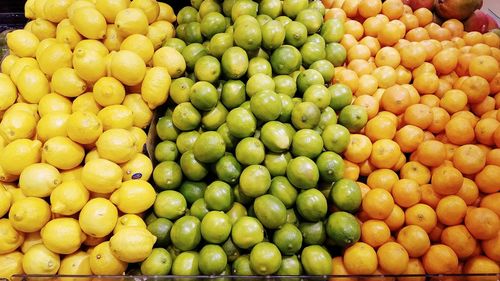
(108, 91)
(44, 44)
(43, 29)
(8, 92)
(31, 239)
(7, 63)
(16, 193)
(166, 12)
(89, 22)
(22, 43)
(69, 197)
(77, 263)
(116, 117)
(62, 153)
(128, 220)
(140, 137)
(52, 125)
(6, 177)
(66, 32)
(109, 60)
(71, 174)
(27, 107)
(62, 229)
(86, 103)
(132, 244)
(89, 65)
(53, 57)
(110, 8)
(101, 175)
(142, 114)
(128, 67)
(134, 196)
(17, 125)
(19, 65)
(12, 263)
(19, 154)
(150, 7)
(159, 31)
(139, 44)
(92, 45)
(32, 84)
(79, 4)
(40, 260)
(91, 155)
(54, 103)
(84, 127)
(10, 238)
(29, 9)
(5, 200)
(171, 59)
(98, 217)
(117, 145)
(39, 8)
(139, 167)
(28, 25)
(155, 87)
(103, 261)
(131, 21)
(113, 38)
(29, 214)
(65, 81)
(39, 180)
(56, 10)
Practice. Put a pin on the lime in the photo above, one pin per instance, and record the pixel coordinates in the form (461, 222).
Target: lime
(273, 35)
(324, 67)
(180, 32)
(247, 33)
(313, 233)
(265, 258)
(167, 175)
(346, 195)
(215, 227)
(307, 78)
(284, 20)
(187, 14)
(165, 129)
(316, 260)
(274, 135)
(207, 7)
(214, 118)
(302, 172)
(150, 218)
(305, 115)
(286, 59)
(341, 96)
(291, 8)
(330, 166)
(207, 68)
(192, 190)
(272, 8)
(233, 93)
(343, 228)
(318, 5)
(276, 163)
(250, 151)
(192, 33)
(312, 52)
(295, 34)
(288, 239)
(203, 95)
(263, 19)
(259, 82)
(316, 38)
(232, 252)
(175, 43)
(282, 189)
(284, 84)
(241, 266)
(247, 232)
(312, 205)
(319, 95)
(353, 117)
(185, 117)
(213, 259)
(333, 30)
(286, 108)
(185, 233)
(270, 211)
(219, 43)
(209, 147)
(199, 209)
(166, 151)
(291, 216)
(311, 18)
(229, 139)
(191, 168)
(241, 123)
(290, 265)
(241, 198)
(159, 262)
(185, 141)
(212, 23)
(237, 211)
(219, 196)
(180, 89)
(234, 62)
(243, 7)
(160, 228)
(259, 65)
(255, 180)
(228, 169)
(336, 54)
(307, 142)
(328, 117)
(186, 263)
(170, 204)
(265, 105)
(192, 53)
(336, 138)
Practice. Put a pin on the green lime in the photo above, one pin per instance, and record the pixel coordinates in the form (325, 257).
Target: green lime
(328, 117)
(243, 7)
(213, 119)
(291, 8)
(237, 211)
(316, 260)
(307, 142)
(302, 172)
(292, 217)
(307, 78)
(180, 32)
(187, 14)
(286, 59)
(241, 266)
(330, 166)
(185, 117)
(219, 43)
(316, 38)
(247, 232)
(343, 228)
(290, 265)
(232, 252)
(353, 117)
(185, 141)
(167, 175)
(273, 35)
(333, 30)
(265, 105)
(207, 7)
(219, 196)
(159, 262)
(233, 93)
(319, 95)
(312, 205)
(274, 135)
(170, 204)
(180, 88)
(336, 54)
(341, 96)
(284, 20)
(313, 233)
(207, 68)
(229, 139)
(186, 233)
(186, 263)
(336, 138)
(312, 52)
(247, 33)
(199, 209)
(346, 195)
(215, 227)
(227, 6)
(270, 211)
(259, 65)
(305, 115)
(228, 169)
(282, 189)
(272, 8)
(150, 218)
(191, 168)
(284, 84)
(192, 190)
(318, 5)
(173, 251)
(263, 19)
(286, 108)
(311, 18)
(213, 260)
(241, 122)
(192, 33)
(166, 151)
(324, 67)
(166, 129)
(161, 229)
(288, 239)
(265, 258)
(192, 53)
(255, 180)
(203, 95)
(209, 147)
(295, 34)
(175, 43)
(259, 82)
(250, 151)
(234, 62)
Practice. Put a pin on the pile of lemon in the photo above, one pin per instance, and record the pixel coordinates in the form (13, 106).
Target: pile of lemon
(77, 89)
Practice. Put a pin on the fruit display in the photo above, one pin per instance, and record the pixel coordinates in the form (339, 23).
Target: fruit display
(235, 137)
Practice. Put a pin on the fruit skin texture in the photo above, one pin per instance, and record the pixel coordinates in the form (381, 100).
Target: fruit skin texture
(457, 9)
(478, 21)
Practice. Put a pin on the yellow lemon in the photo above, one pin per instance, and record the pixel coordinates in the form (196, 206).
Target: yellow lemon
(134, 196)
(92, 45)
(155, 87)
(5, 200)
(19, 66)
(128, 220)
(7, 63)
(19, 154)
(71, 174)
(150, 8)
(44, 44)
(56, 10)
(131, 21)
(84, 127)
(139, 167)
(29, 9)
(62, 153)
(101, 175)
(78, 4)
(140, 137)
(6, 177)
(139, 44)
(55, 56)
(132, 244)
(103, 261)
(89, 22)
(27, 107)
(11, 238)
(128, 67)
(8, 92)
(17, 125)
(113, 38)
(43, 29)
(91, 155)
(86, 103)
(65, 81)
(110, 8)
(39, 8)
(171, 59)
(98, 217)
(108, 91)
(66, 32)
(109, 59)
(28, 25)
(62, 229)
(159, 31)
(116, 117)
(69, 197)
(22, 43)
(52, 103)
(29, 214)
(39, 180)
(89, 65)
(32, 84)
(12, 263)
(117, 145)
(166, 12)
(77, 263)
(141, 112)
(16, 193)
(40, 260)
(52, 125)
(31, 239)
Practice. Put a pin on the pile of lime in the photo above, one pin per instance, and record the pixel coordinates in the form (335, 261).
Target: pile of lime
(249, 170)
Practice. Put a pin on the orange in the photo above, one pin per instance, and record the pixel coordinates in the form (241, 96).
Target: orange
(406, 193)
(351, 170)
(495, 52)
(451, 210)
(348, 41)
(458, 41)
(372, 25)
(496, 137)
(399, 164)
(459, 239)
(491, 247)
(454, 26)
(446, 180)
(409, 137)
(350, 8)
(375, 233)
(481, 49)
(361, 67)
(415, 268)
(389, 34)
(419, 115)
(490, 201)
(392, 258)
(422, 215)
(386, 76)
(403, 75)
(453, 101)
(410, 21)
(378, 203)
(450, 148)
(440, 259)
(429, 196)
(417, 34)
(440, 117)
(481, 265)
(431, 153)
(395, 99)
(396, 219)
(414, 94)
(355, 28)
(441, 34)
(335, 13)
(380, 127)
(443, 87)
(366, 168)
(469, 192)
(415, 171)
(424, 16)
(485, 130)
(425, 67)
(483, 223)
(358, 51)
(467, 115)
(360, 258)
(370, 104)
(385, 153)
(348, 78)
(382, 178)
(372, 43)
(389, 115)
(388, 56)
(393, 9)
(414, 239)
(463, 63)
(435, 234)
(484, 107)
(426, 83)
(358, 149)
(469, 159)
(338, 268)
(491, 39)
(445, 61)
(430, 100)
(431, 46)
(459, 131)
(476, 88)
(487, 179)
(413, 55)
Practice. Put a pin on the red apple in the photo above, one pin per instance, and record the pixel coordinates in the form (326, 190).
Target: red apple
(456, 9)
(477, 22)
(417, 4)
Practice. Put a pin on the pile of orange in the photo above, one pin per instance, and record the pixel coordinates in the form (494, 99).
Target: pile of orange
(428, 160)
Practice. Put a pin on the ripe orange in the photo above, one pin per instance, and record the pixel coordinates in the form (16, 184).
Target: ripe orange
(389, 34)
(487, 179)
(395, 99)
(431, 153)
(380, 128)
(419, 115)
(414, 239)
(429, 196)
(454, 26)
(418, 34)
(440, 259)
(388, 56)
(485, 66)
(382, 178)
(469, 192)
(491, 247)
(415, 268)
(358, 149)
(485, 130)
(409, 138)
(386, 76)
(396, 219)
(490, 201)
(372, 25)
(469, 159)
(453, 101)
(370, 104)
(459, 131)
(485, 108)
(446, 180)
(378, 203)
(406, 192)
(338, 268)
(360, 258)
(481, 265)
(440, 118)
(372, 43)
(366, 168)
(459, 239)
(351, 170)
(413, 55)
(375, 233)
(476, 88)
(392, 258)
(393, 9)
(451, 210)
(424, 16)
(483, 223)
(422, 215)
(385, 153)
